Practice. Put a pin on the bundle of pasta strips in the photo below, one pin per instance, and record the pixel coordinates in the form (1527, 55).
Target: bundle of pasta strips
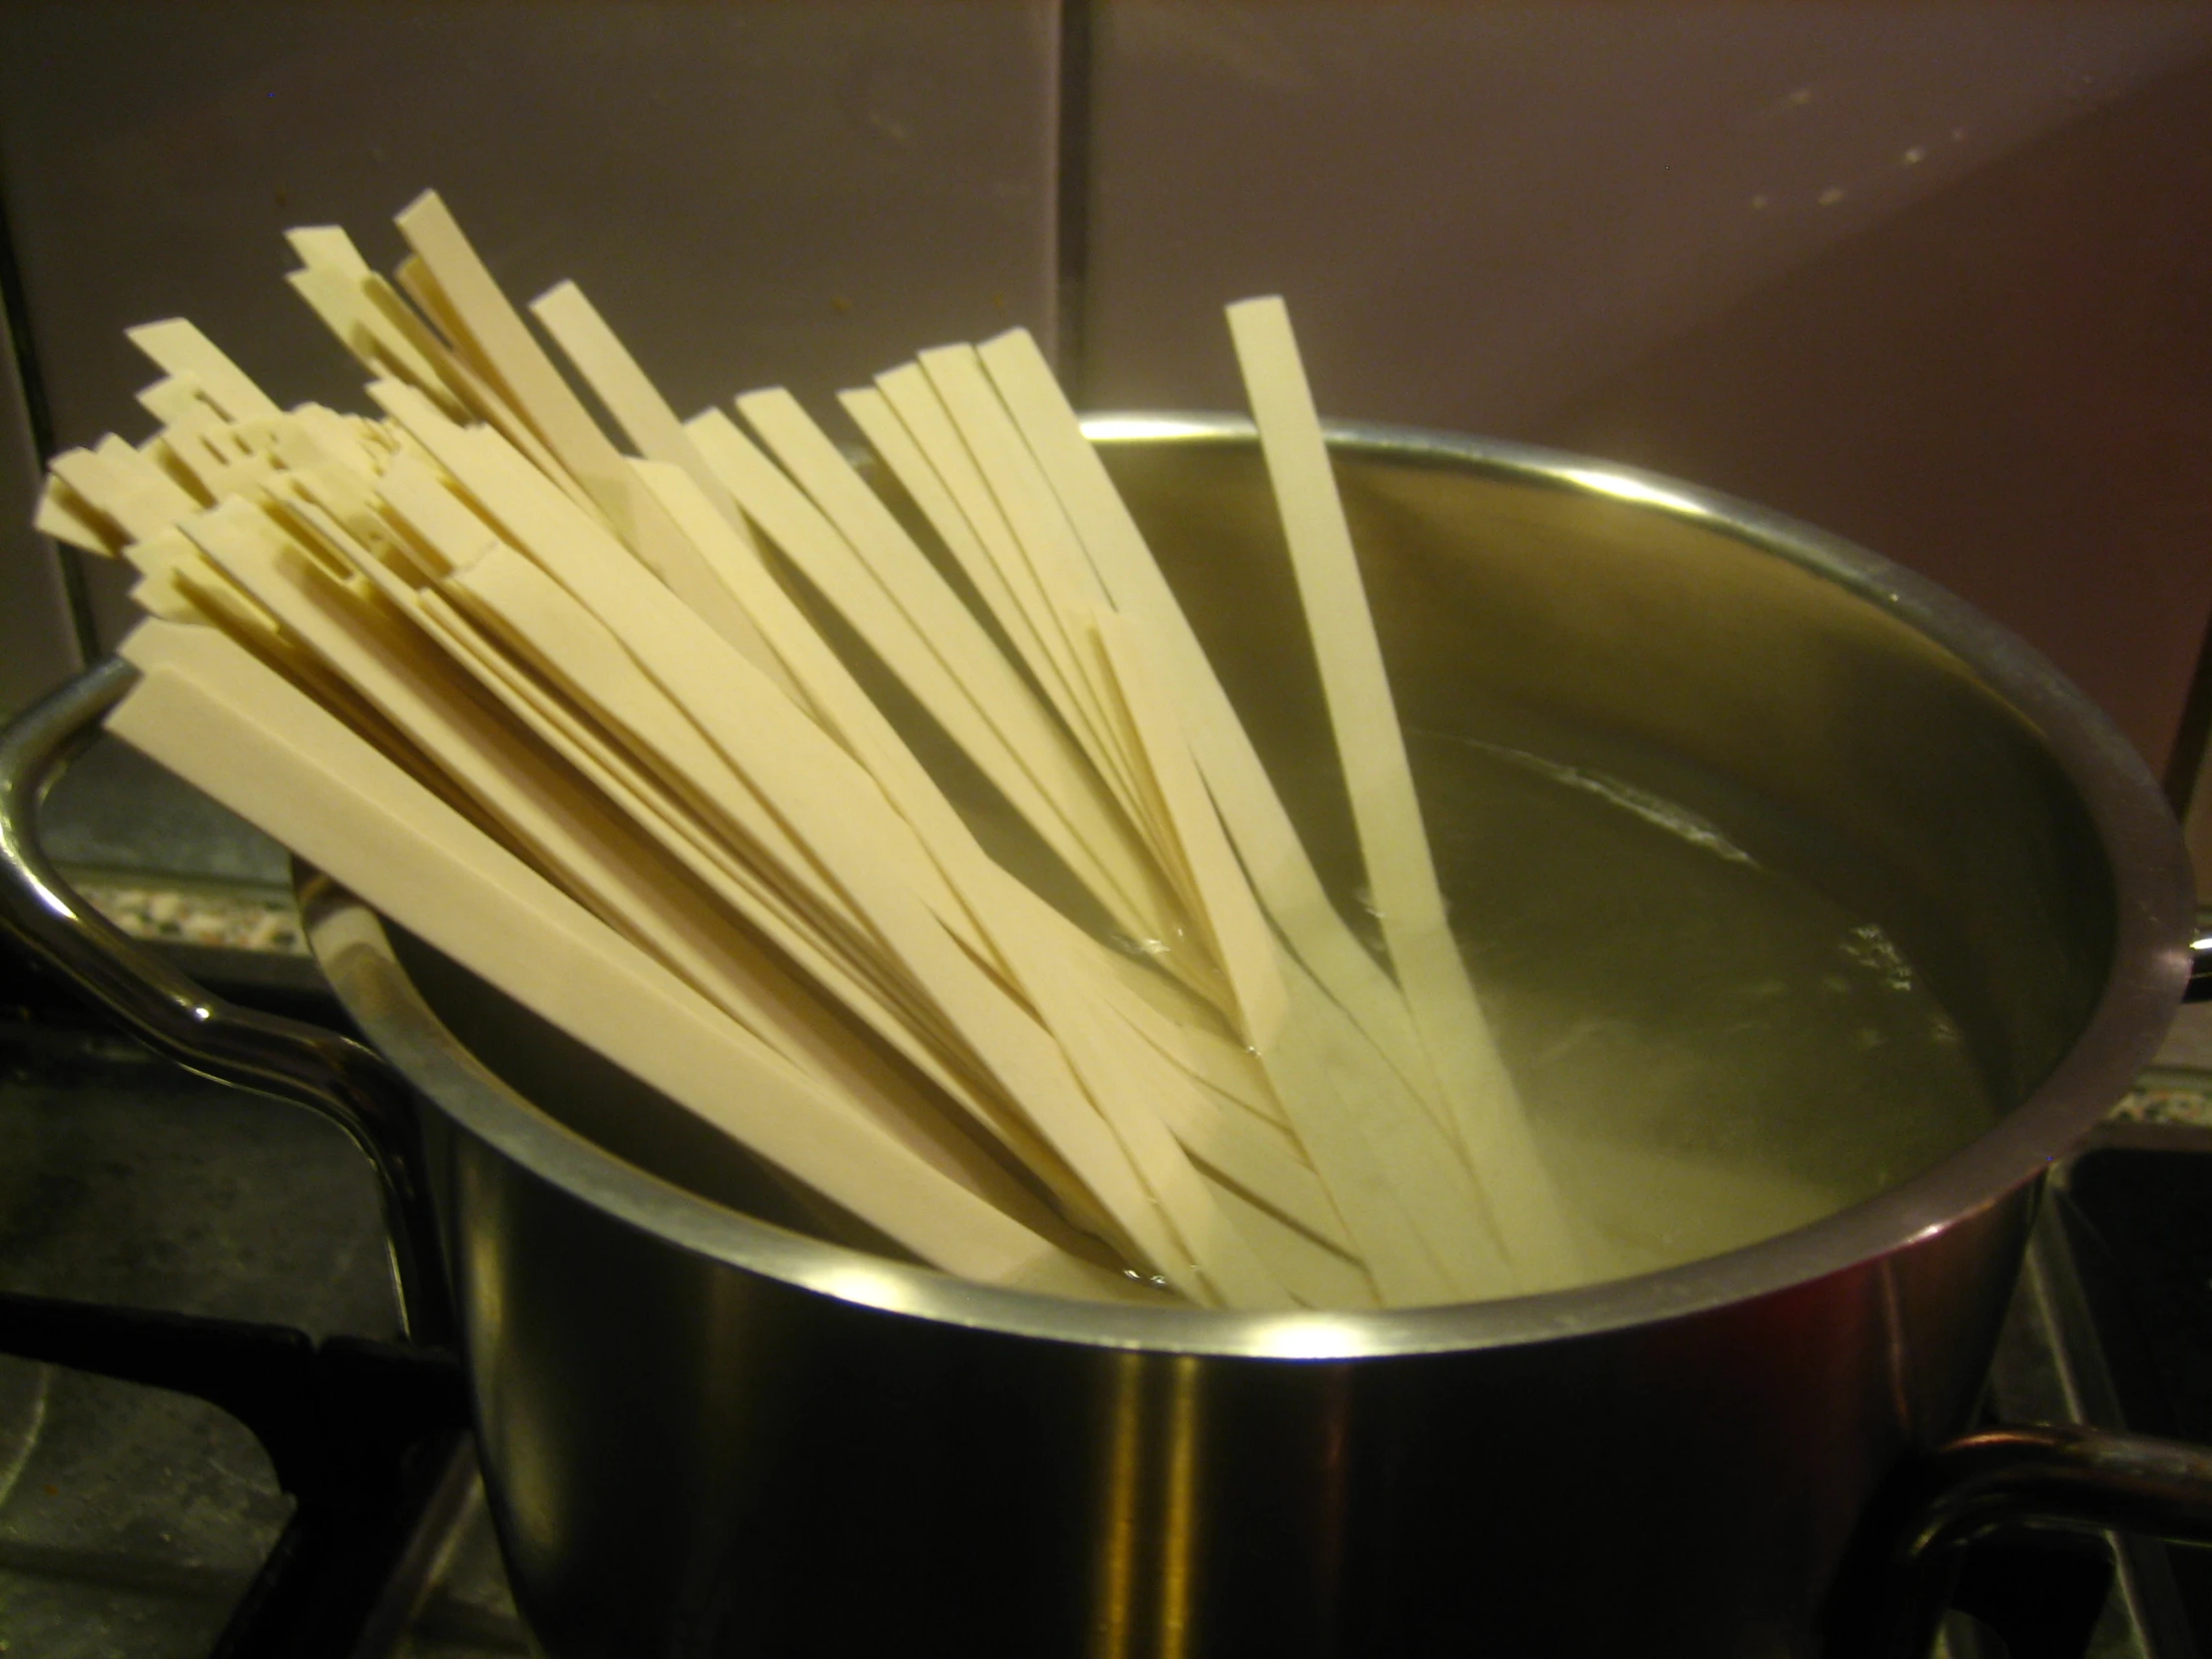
(566, 713)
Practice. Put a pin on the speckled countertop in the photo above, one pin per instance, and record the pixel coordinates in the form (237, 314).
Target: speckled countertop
(2177, 1087)
(2176, 1100)
(238, 918)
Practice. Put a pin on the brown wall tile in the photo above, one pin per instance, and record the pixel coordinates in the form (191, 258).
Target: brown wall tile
(38, 645)
(1928, 274)
(751, 193)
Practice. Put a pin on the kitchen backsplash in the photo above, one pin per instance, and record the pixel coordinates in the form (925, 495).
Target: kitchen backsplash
(1931, 274)
(750, 193)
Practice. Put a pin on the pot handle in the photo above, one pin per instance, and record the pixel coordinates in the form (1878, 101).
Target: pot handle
(294, 1061)
(1891, 1599)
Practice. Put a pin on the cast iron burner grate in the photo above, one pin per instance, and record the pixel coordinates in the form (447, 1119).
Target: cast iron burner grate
(368, 1439)
(2138, 1226)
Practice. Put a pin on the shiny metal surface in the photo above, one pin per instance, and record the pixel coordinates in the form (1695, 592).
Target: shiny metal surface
(283, 1057)
(2087, 1478)
(708, 1435)
(2200, 968)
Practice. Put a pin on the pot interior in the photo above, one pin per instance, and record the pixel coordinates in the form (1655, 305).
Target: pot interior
(1823, 713)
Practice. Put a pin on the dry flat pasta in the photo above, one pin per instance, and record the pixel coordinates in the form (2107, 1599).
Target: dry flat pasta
(1071, 1014)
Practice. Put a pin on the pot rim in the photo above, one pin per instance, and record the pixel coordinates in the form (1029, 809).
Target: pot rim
(2155, 913)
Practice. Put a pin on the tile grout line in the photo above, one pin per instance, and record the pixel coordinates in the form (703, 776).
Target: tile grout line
(38, 414)
(1071, 195)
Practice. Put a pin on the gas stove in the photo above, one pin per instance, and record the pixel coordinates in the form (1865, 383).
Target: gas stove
(302, 1484)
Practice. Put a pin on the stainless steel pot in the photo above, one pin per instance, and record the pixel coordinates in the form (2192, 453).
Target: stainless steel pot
(707, 1433)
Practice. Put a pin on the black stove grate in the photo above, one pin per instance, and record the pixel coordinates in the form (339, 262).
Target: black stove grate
(2138, 1222)
(368, 1439)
